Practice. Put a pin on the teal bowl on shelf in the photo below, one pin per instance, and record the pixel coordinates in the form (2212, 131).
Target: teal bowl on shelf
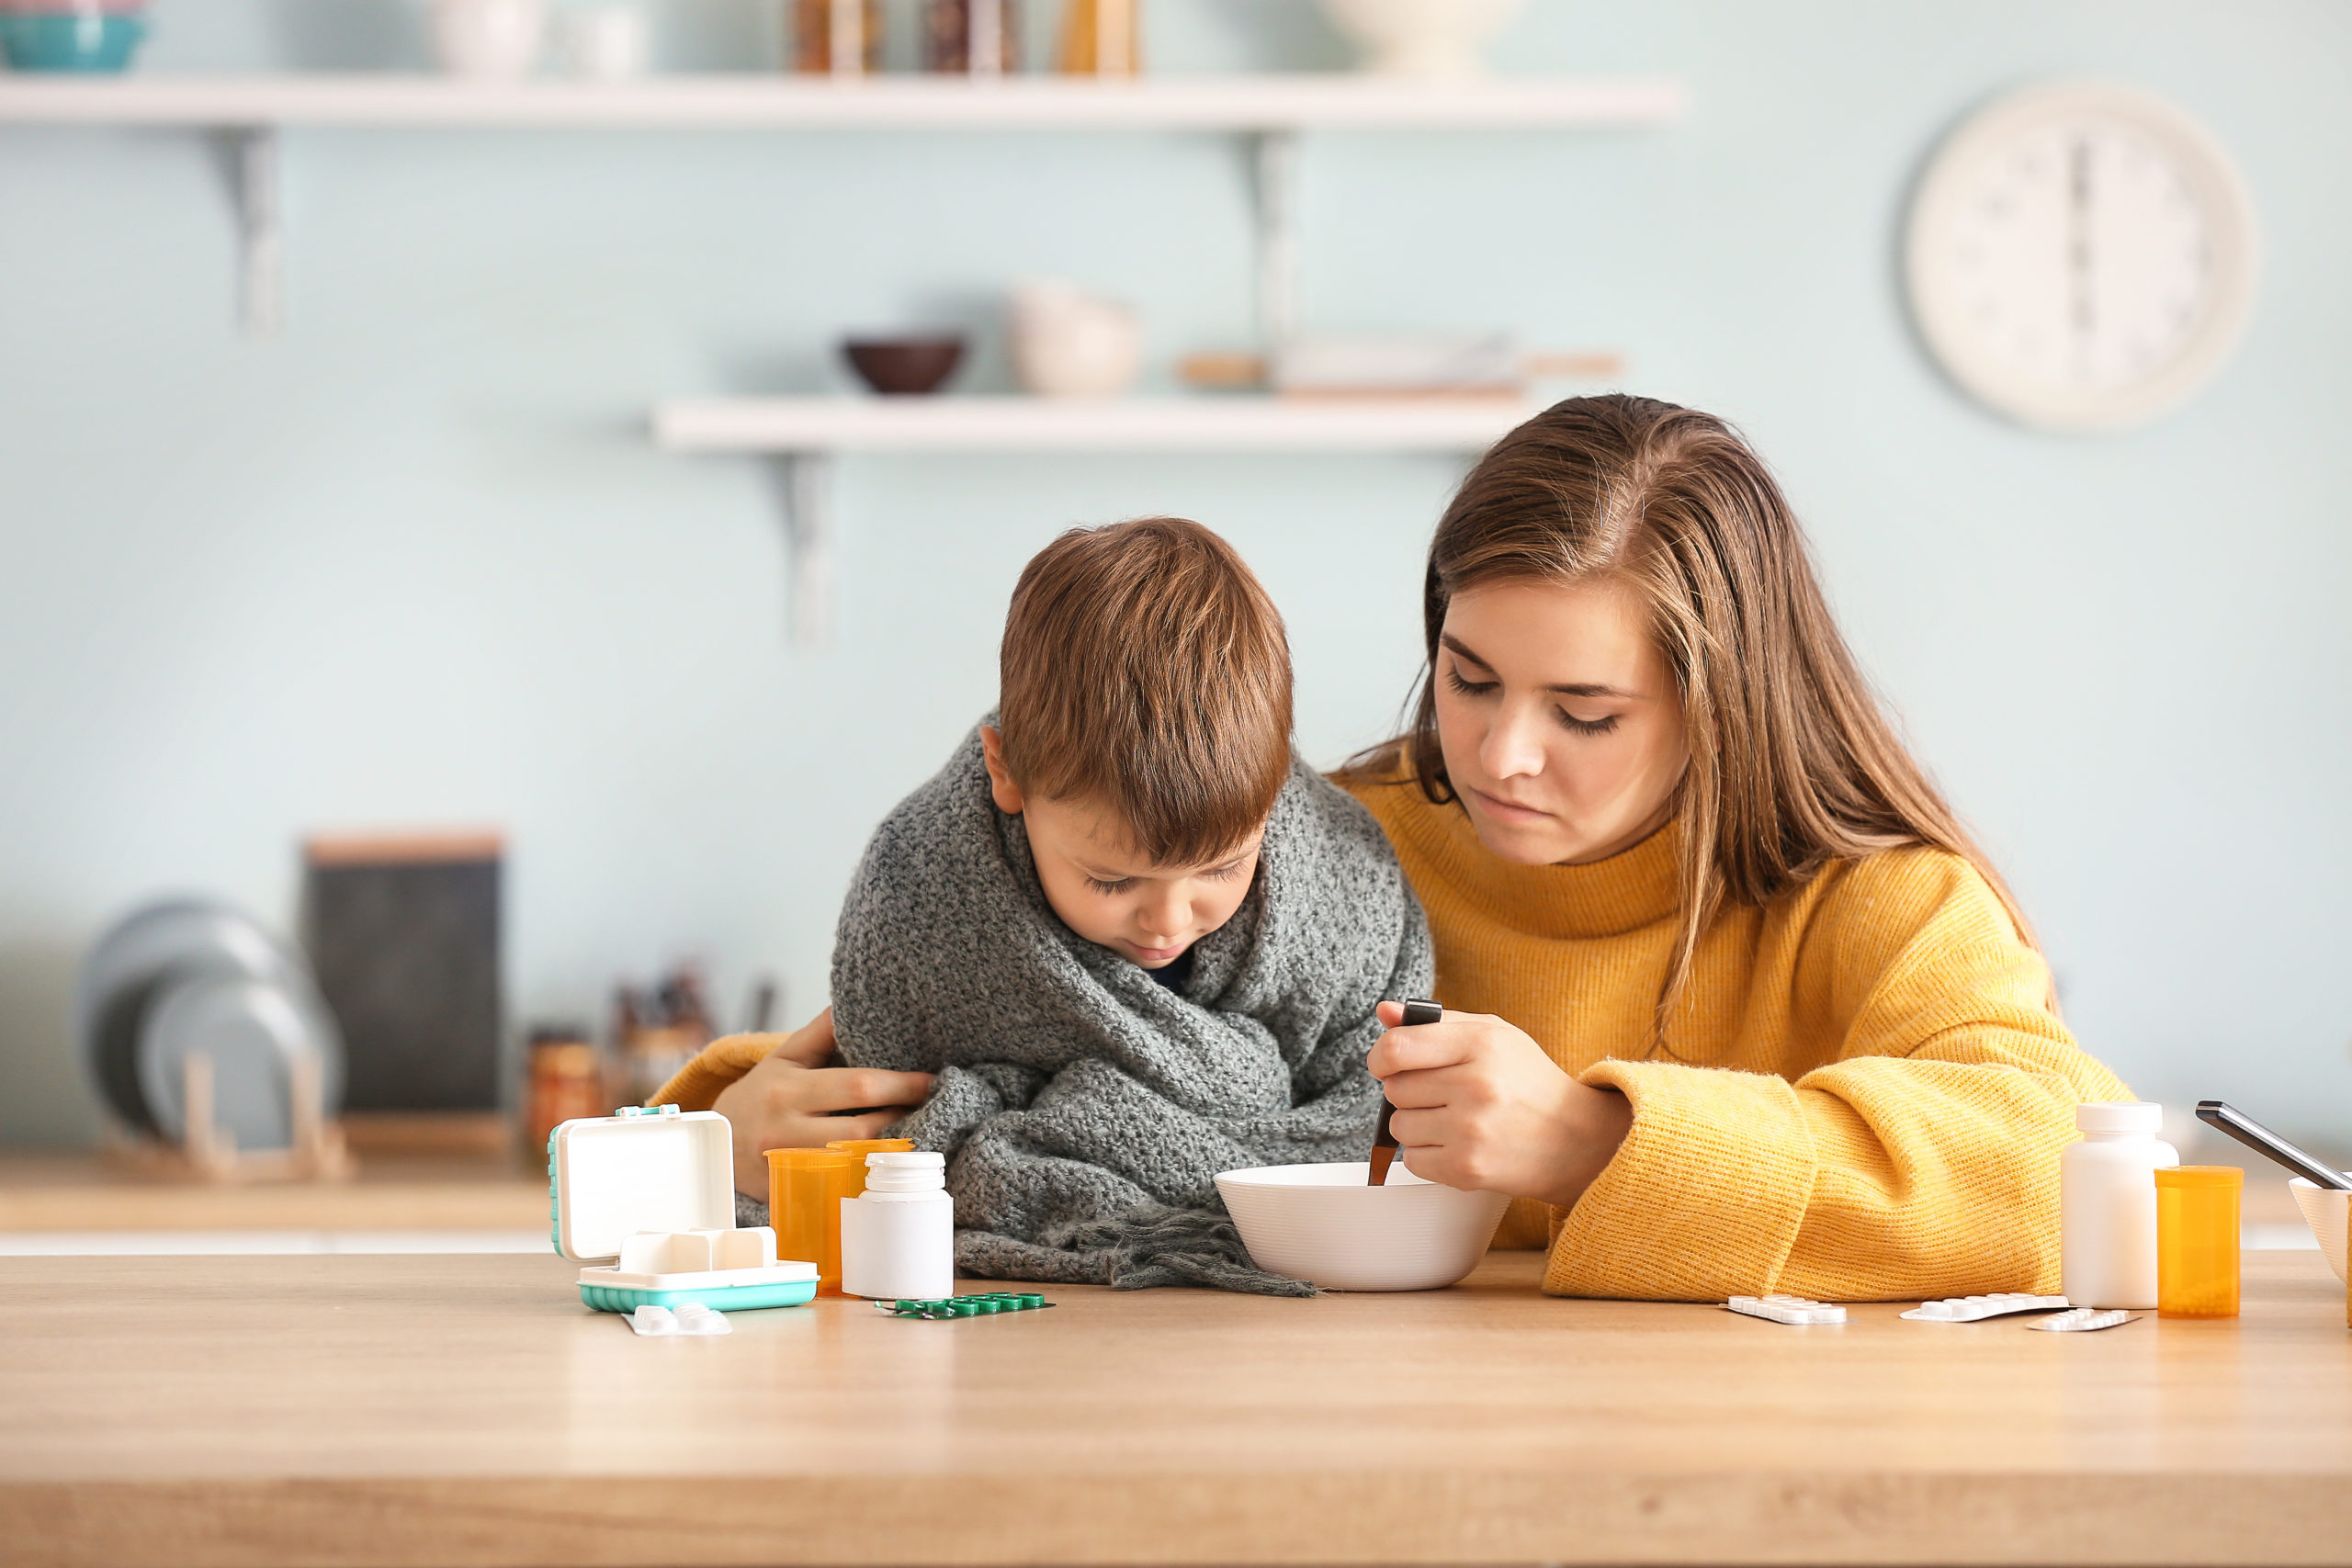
(70, 40)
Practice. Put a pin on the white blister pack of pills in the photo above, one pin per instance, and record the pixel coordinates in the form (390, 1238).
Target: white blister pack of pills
(2086, 1319)
(1975, 1309)
(1794, 1310)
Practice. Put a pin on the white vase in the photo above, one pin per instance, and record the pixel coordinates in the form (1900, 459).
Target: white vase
(1067, 343)
(499, 39)
(605, 43)
(1429, 39)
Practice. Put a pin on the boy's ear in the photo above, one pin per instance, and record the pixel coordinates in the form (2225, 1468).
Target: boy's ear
(1001, 785)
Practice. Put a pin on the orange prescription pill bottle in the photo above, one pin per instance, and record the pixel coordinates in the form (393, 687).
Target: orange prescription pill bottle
(805, 1191)
(861, 1148)
(2197, 1240)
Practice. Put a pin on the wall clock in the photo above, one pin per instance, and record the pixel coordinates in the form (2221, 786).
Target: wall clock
(2080, 256)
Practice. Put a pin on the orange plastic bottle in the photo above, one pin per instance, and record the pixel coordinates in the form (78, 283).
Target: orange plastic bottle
(2197, 1240)
(840, 37)
(805, 1191)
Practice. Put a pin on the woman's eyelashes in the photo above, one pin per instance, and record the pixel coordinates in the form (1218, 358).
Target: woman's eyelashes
(1463, 684)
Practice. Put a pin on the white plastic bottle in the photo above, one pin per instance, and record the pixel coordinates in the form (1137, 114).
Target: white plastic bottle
(899, 1240)
(2107, 1205)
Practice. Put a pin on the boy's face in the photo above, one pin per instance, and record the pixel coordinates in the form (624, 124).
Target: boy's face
(1108, 892)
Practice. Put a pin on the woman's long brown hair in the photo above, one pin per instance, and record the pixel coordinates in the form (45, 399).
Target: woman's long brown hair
(1792, 763)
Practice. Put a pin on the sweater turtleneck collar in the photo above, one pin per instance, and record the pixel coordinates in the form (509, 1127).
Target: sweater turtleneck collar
(1633, 889)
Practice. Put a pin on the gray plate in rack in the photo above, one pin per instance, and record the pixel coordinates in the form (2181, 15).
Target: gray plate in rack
(252, 1031)
(154, 949)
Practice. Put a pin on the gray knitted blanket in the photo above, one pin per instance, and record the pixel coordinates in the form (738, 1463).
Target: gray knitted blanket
(1085, 1109)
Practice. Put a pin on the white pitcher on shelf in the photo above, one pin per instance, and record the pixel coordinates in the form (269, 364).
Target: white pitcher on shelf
(1068, 344)
(492, 39)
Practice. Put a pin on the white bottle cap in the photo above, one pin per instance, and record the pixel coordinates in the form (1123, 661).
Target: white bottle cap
(2119, 1116)
(923, 1171)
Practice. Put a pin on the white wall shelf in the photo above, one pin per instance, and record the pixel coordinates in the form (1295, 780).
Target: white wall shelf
(1271, 112)
(804, 434)
(1205, 424)
(745, 100)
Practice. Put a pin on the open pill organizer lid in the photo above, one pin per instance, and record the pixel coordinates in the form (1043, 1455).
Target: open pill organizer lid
(657, 1170)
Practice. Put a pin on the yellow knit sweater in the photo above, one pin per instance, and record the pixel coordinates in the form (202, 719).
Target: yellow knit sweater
(1861, 1094)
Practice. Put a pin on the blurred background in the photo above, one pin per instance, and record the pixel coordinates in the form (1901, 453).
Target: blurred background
(414, 563)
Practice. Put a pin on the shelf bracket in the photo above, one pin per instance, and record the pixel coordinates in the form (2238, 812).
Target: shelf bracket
(1276, 156)
(261, 230)
(805, 482)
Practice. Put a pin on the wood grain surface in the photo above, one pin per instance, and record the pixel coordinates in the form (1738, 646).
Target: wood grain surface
(70, 1193)
(368, 1410)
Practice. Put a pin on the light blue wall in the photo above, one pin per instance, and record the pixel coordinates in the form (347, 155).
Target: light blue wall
(415, 564)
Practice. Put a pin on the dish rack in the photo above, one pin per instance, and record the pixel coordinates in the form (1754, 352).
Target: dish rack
(207, 1151)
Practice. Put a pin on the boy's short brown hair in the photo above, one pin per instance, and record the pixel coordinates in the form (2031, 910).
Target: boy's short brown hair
(1145, 670)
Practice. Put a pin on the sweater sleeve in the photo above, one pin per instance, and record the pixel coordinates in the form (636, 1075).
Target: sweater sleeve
(1919, 1159)
(697, 1085)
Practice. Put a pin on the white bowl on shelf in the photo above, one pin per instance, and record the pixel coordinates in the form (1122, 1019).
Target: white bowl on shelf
(1323, 1224)
(1068, 344)
(1437, 40)
(490, 40)
(2324, 1210)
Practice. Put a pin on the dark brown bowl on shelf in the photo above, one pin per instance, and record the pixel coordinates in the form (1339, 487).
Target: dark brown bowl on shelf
(904, 367)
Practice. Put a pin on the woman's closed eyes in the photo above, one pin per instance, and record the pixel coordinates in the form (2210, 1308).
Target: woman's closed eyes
(1463, 684)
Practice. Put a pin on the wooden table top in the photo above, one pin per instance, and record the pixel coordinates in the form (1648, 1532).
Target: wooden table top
(82, 1193)
(366, 1410)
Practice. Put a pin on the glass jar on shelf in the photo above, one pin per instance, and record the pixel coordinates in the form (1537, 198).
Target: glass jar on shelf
(1102, 38)
(977, 38)
(837, 38)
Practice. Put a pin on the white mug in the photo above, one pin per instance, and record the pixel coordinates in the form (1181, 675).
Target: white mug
(1068, 344)
(493, 38)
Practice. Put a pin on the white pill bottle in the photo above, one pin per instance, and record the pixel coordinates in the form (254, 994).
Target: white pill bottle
(898, 1239)
(2107, 1205)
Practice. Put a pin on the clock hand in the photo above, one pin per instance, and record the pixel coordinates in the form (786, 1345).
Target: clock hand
(2078, 246)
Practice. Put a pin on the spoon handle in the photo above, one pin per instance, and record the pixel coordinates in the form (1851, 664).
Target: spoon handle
(2262, 1141)
(1384, 1142)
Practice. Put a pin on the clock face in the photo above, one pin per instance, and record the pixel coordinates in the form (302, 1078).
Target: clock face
(2080, 256)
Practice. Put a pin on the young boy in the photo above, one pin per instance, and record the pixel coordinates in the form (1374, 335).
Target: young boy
(1135, 939)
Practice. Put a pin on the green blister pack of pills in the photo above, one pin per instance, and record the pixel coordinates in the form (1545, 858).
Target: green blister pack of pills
(967, 1306)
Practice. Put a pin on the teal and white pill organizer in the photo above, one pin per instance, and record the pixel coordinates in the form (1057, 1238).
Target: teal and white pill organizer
(651, 1194)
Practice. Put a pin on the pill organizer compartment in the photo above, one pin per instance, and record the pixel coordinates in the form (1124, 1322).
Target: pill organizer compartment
(649, 1195)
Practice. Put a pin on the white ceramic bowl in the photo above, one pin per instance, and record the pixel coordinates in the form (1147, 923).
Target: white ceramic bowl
(494, 39)
(1323, 1222)
(1429, 38)
(1067, 343)
(2324, 1210)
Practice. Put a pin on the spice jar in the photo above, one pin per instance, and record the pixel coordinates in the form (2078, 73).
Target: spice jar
(840, 37)
(2197, 1240)
(979, 38)
(567, 1083)
(1101, 37)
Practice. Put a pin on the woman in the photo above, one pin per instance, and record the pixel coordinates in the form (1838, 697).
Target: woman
(1733, 1004)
